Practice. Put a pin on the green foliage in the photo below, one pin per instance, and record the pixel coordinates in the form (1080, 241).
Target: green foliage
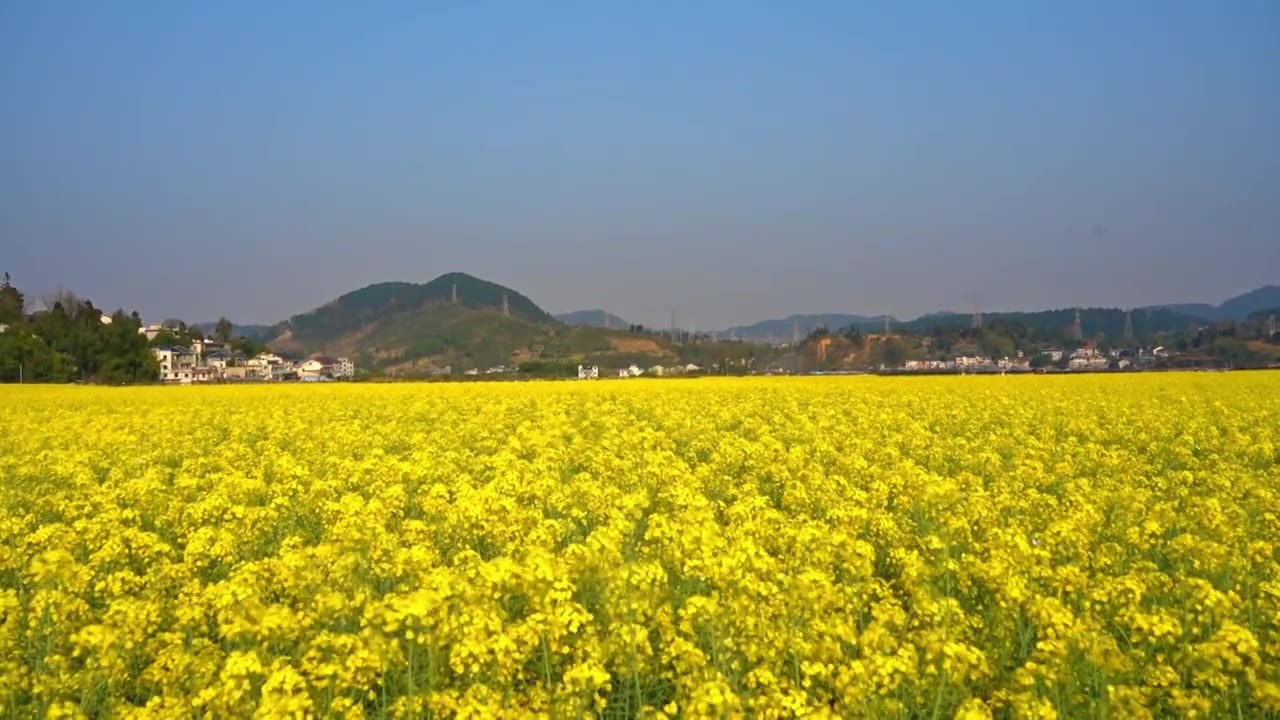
(25, 357)
(222, 331)
(64, 343)
(1234, 351)
(12, 303)
(891, 351)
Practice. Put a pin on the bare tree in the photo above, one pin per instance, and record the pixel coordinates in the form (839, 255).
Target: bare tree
(70, 301)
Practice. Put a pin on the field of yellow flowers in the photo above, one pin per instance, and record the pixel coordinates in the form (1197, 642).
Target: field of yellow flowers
(845, 547)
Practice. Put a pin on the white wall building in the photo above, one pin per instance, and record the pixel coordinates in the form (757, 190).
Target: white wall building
(344, 368)
(177, 364)
(270, 366)
(317, 368)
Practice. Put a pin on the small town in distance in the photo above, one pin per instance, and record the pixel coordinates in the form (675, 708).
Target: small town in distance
(459, 327)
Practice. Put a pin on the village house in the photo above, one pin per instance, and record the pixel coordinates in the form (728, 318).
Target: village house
(270, 366)
(223, 359)
(177, 364)
(205, 374)
(344, 368)
(317, 368)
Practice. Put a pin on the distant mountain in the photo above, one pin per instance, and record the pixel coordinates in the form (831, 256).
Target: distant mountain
(1159, 318)
(1107, 321)
(1239, 307)
(785, 328)
(1242, 306)
(593, 318)
(455, 320)
(1204, 311)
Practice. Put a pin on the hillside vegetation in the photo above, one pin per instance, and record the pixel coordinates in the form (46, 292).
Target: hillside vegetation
(409, 328)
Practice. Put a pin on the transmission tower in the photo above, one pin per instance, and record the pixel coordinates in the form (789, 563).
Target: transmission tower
(1077, 331)
(455, 294)
(887, 328)
(605, 313)
(795, 332)
(1271, 327)
(976, 323)
(506, 307)
(675, 337)
(1128, 327)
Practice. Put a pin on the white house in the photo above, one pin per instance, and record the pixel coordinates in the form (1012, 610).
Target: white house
(588, 373)
(205, 374)
(1093, 362)
(177, 364)
(205, 346)
(221, 359)
(269, 366)
(317, 368)
(344, 368)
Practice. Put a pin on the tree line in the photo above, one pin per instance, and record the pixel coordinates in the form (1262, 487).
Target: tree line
(69, 340)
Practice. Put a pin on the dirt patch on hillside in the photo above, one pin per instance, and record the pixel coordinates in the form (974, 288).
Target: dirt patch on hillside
(285, 343)
(635, 345)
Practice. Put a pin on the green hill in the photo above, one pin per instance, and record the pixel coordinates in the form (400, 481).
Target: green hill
(407, 327)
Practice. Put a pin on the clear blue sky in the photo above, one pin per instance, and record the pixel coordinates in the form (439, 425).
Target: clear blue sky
(731, 161)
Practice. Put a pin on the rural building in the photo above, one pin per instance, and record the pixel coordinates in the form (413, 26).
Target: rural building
(317, 368)
(177, 364)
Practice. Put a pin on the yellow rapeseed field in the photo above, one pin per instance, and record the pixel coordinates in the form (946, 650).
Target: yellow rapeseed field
(845, 547)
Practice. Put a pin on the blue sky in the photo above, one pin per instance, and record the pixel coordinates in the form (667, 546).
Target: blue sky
(730, 161)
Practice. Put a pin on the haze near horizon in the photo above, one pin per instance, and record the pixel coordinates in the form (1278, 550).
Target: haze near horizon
(731, 162)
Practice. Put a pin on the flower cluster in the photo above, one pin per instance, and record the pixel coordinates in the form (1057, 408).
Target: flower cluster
(833, 547)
